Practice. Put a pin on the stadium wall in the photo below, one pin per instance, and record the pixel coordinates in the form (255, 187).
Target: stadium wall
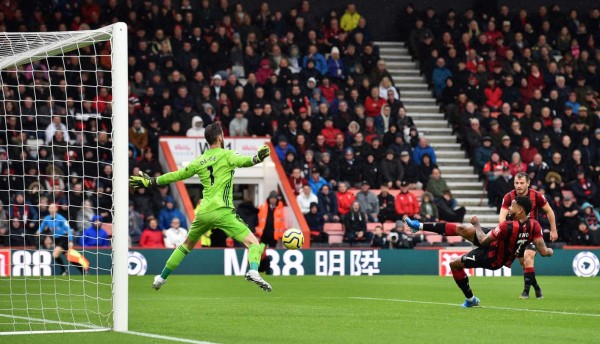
(322, 262)
(383, 15)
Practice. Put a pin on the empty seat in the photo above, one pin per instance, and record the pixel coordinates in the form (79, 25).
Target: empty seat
(388, 226)
(371, 226)
(434, 238)
(336, 238)
(333, 227)
(454, 239)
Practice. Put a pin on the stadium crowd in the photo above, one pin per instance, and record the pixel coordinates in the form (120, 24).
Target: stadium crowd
(521, 98)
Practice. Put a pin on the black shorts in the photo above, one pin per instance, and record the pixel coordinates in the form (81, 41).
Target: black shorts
(531, 247)
(62, 241)
(478, 258)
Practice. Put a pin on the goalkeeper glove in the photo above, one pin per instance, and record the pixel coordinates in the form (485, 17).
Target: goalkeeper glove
(262, 153)
(142, 181)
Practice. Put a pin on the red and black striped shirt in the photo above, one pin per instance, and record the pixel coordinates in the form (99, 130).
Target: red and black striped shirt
(512, 237)
(538, 201)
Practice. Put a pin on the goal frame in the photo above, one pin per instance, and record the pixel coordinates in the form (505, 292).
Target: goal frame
(117, 35)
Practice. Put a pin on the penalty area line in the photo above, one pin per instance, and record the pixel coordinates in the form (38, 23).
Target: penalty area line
(484, 307)
(173, 339)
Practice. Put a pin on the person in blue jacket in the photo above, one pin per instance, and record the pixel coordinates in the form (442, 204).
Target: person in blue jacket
(55, 225)
(167, 214)
(94, 235)
(421, 149)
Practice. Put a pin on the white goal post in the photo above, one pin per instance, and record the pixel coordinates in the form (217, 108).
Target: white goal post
(34, 298)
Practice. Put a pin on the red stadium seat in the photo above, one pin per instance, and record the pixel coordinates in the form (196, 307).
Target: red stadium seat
(434, 238)
(394, 193)
(388, 226)
(336, 238)
(371, 226)
(454, 239)
(376, 191)
(418, 194)
(333, 228)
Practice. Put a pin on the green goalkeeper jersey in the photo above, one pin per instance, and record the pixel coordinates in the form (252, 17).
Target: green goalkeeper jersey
(215, 168)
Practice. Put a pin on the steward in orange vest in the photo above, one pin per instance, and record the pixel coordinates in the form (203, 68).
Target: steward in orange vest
(271, 220)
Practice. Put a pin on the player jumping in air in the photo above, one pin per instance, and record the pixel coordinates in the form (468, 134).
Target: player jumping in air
(215, 167)
(495, 249)
(538, 201)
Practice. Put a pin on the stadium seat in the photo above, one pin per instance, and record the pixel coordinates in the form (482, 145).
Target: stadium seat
(394, 193)
(336, 238)
(388, 226)
(376, 191)
(434, 238)
(333, 228)
(418, 194)
(371, 226)
(108, 227)
(454, 239)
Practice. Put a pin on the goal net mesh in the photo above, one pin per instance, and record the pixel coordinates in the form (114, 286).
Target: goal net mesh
(56, 181)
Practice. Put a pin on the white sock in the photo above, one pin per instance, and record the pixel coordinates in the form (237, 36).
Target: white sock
(420, 225)
(471, 298)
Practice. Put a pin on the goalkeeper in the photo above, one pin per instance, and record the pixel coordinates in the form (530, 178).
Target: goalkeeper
(215, 168)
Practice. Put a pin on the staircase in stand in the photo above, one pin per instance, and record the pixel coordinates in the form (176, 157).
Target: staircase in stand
(421, 106)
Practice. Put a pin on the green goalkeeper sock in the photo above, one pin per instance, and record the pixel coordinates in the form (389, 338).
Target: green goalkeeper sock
(254, 253)
(174, 260)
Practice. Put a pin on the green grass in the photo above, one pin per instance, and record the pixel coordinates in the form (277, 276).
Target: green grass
(320, 310)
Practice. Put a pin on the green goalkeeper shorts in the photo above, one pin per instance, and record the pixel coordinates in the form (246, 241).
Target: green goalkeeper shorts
(225, 219)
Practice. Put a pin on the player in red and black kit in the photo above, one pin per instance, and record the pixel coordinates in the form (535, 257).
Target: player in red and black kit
(497, 248)
(538, 201)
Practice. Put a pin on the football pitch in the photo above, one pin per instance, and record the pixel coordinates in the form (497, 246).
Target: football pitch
(382, 309)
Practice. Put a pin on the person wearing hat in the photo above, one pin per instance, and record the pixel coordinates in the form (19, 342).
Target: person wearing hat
(497, 248)
(349, 168)
(336, 70)
(271, 220)
(258, 123)
(197, 129)
(406, 202)
(315, 223)
(283, 147)
(238, 125)
(368, 201)
(506, 149)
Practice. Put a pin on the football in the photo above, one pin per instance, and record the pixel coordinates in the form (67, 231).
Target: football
(293, 239)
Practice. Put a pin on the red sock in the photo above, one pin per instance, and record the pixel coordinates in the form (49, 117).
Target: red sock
(529, 270)
(450, 229)
(459, 274)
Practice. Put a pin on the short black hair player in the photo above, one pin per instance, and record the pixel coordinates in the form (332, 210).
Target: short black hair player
(521, 183)
(497, 248)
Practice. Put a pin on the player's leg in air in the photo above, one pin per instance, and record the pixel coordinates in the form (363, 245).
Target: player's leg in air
(527, 262)
(457, 267)
(465, 230)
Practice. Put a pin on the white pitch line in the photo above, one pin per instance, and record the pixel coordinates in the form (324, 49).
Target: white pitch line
(173, 339)
(486, 307)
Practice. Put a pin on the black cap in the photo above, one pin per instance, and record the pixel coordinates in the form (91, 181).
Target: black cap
(364, 182)
(314, 170)
(404, 183)
(486, 138)
(258, 106)
(239, 111)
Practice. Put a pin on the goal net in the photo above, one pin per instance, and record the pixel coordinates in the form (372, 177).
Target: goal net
(63, 230)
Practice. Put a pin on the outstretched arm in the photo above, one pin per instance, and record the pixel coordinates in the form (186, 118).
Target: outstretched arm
(540, 245)
(552, 219)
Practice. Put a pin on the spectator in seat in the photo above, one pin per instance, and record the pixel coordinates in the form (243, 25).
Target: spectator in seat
(428, 210)
(329, 132)
(421, 149)
(328, 204)
(391, 171)
(448, 208)
(483, 153)
(152, 236)
(349, 20)
(425, 170)
(315, 181)
(305, 198)
(439, 76)
(138, 135)
(315, 223)
(197, 129)
(94, 236)
(271, 220)
(493, 94)
(368, 202)
(297, 181)
(356, 225)
(370, 169)
(283, 148)
(349, 168)
(568, 218)
(344, 198)
(591, 217)
(387, 209)
(336, 70)
(318, 59)
(437, 184)
(406, 203)
(506, 149)
(239, 125)
(474, 136)
(537, 170)
(136, 224)
(517, 164)
(175, 235)
(388, 91)
(169, 212)
(411, 170)
(148, 164)
(379, 238)
(583, 188)
(385, 118)
(57, 125)
(378, 73)
(374, 103)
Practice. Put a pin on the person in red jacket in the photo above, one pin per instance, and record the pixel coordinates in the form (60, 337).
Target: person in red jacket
(328, 89)
(330, 132)
(152, 236)
(345, 199)
(406, 202)
(493, 94)
(374, 103)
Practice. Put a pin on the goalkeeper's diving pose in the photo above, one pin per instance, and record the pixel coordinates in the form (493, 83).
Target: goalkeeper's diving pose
(215, 167)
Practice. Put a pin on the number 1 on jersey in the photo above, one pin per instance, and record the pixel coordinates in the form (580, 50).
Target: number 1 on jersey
(212, 177)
